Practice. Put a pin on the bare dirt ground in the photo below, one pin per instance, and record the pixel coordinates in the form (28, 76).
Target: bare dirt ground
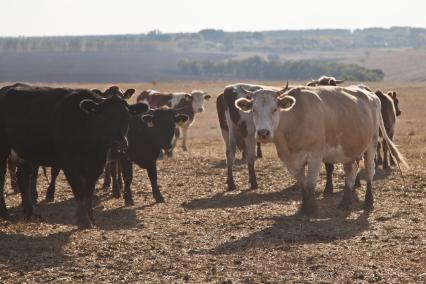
(204, 234)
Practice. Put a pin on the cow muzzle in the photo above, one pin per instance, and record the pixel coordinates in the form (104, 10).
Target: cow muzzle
(264, 134)
(120, 146)
(200, 109)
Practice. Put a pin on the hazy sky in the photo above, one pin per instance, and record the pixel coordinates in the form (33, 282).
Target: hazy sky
(81, 17)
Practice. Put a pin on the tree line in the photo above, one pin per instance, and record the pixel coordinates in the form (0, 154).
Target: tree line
(257, 67)
(219, 40)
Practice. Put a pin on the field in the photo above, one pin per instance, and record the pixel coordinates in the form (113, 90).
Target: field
(204, 234)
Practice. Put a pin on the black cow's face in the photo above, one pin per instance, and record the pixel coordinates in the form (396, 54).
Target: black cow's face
(111, 119)
(163, 123)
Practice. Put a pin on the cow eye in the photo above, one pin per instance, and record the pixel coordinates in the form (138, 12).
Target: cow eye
(253, 110)
(275, 109)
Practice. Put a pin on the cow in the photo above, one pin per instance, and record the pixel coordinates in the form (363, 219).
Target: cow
(109, 92)
(312, 125)
(147, 135)
(188, 103)
(390, 110)
(238, 131)
(71, 129)
(325, 81)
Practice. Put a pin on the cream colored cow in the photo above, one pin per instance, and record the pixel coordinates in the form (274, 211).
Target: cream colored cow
(312, 125)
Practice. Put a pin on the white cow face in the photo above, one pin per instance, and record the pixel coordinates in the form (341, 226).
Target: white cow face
(265, 106)
(198, 98)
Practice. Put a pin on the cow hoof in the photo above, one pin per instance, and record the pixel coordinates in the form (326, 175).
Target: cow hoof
(85, 225)
(328, 191)
(368, 206)
(345, 205)
(116, 194)
(231, 186)
(308, 210)
(50, 198)
(254, 186)
(128, 202)
(159, 199)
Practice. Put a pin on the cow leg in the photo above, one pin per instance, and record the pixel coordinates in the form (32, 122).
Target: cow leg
(385, 155)
(91, 180)
(351, 170)
(33, 184)
(119, 176)
(114, 177)
(169, 153)
(23, 174)
(329, 168)
(78, 186)
(230, 157)
(107, 176)
(251, 157)
(369, 170)
(11, 165)
(50, 194)
(152, 174)
(127, 168)
(259, 150)
(3, 209)
(184, 136)
(309, 206)
(379, 160)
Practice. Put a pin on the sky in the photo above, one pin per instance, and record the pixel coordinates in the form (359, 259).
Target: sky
(91, 17)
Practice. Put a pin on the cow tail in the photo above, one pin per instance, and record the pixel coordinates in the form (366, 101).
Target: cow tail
(391, 146)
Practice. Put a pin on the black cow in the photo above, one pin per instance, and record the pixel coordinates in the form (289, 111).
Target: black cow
(109, 92)
(71, 129)
(147, 136)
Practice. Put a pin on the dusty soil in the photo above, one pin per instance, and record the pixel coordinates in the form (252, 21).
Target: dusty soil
(204, 234)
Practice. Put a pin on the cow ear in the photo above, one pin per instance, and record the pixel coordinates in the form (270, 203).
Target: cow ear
(148, 119)
(207, 97)
(286, 103)
(98, 92)
(332, 82)
(244, 104)
(180, 119)
(128, 93)
(89, 106)
(394, 95)
(138, 108)
(188, 97)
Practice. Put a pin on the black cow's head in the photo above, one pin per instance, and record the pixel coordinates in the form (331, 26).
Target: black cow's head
(114, 91)
(110, 119)
(162, 122)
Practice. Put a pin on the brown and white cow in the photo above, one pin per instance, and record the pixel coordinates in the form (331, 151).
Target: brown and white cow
(312, 125)
(186, 103)
(238, 130)
(390, 110)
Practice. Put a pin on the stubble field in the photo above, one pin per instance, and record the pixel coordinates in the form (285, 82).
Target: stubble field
(204, 234)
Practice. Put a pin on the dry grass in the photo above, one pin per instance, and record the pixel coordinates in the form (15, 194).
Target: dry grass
(202, 234)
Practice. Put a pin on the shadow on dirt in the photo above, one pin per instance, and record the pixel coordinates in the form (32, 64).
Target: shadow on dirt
(244, 198)
(221, 164)
(22, 253)
(288, 231)
(63, 212)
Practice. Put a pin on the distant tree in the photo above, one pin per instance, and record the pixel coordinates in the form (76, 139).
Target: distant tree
(212, 35)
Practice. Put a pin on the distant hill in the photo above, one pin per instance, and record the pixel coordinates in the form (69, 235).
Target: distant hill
(155, 56)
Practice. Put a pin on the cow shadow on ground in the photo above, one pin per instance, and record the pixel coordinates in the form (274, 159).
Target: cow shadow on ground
(295, 230)
(21, 252)
(378, 175)
(244, 198)
(63, 212)
(221, 164)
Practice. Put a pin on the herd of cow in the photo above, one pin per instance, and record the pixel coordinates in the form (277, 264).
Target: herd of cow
(85, 132)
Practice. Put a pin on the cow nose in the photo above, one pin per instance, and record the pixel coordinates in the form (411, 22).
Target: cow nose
(263, 133)
(121, 146)
(398, 113)
(200, 110)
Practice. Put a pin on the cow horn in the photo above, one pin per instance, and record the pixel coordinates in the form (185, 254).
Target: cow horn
(280, 92)
(245, 91)
(339, 81)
